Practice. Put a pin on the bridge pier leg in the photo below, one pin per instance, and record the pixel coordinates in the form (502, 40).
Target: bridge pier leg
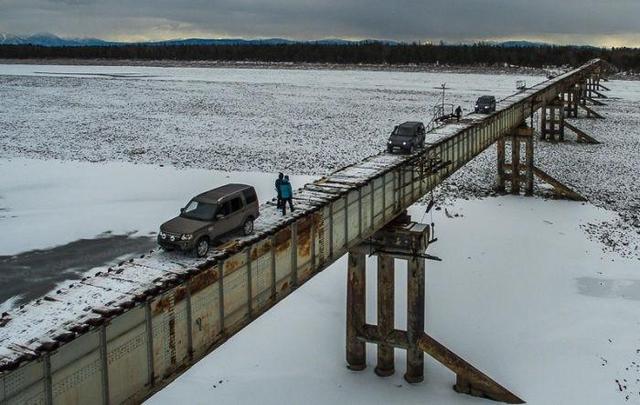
(515, 163)
(500, 146)
(356, 304)
(386, 318)
(406, 240)
(514, 176)
(415, 319)
(571, 98)
(552, 121)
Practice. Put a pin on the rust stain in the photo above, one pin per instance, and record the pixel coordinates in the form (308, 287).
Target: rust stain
(179, 294)
(172, 340)
(304, 242)
(233, 263)
(203, 280)
(163, 304)
(261, 250)
(285, 286)
(283, 240)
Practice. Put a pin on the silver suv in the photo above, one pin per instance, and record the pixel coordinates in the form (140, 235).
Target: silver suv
(210, 215)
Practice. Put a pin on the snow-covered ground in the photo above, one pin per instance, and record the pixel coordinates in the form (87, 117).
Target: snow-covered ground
(227, 119)
(46, 203)
(521, 293)
(62, 219)
(552, 317)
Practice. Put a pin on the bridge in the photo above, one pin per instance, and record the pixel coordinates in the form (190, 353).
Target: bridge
(124, 333)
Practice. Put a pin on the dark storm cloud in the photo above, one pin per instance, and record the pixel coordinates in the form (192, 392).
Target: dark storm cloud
(304, 19)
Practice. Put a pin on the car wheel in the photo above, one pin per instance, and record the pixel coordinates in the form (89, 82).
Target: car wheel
(247, 228)
(202, 247)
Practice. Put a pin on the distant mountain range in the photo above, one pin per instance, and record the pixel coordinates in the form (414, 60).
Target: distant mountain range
(51, 40)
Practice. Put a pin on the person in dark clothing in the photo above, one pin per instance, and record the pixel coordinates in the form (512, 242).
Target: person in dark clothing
(286, 193)
(278, 183)
(458, 113)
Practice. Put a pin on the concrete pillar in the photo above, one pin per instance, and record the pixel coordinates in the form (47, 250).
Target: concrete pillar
(529, 164)
(415, 319)
(543, 121)
(356, 304)
(501, 156)
(571, 107)
(515, 163)
(552, 121)
(386, 287)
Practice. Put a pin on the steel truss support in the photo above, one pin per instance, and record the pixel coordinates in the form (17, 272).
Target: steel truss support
(403, 239)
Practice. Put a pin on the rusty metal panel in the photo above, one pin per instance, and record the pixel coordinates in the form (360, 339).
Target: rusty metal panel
(304, 248)
(127, 355)
(353, 216)
(378, 201)
(25, 385)
(76, 371)
(339, 237)
(205, 315)
(389, 194)
(169, 324)
(261, 275)
(283, 261)
(365, 200)
(322, 237)
(406, 176)
(236, 292)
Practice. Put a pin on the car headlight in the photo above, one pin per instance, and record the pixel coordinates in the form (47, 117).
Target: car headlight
(186, 236)
(404, 143)
(476, 105)
(389, 142)
(172, 238)
(163, 235)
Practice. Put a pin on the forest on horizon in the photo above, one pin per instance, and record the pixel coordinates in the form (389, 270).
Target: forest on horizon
(625, 59)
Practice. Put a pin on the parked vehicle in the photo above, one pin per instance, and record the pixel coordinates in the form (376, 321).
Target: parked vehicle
(210, 215)
(485, 105)
(407, 137)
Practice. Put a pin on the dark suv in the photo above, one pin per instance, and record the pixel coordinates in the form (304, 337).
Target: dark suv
(407, 137)
(486, 105)
(210, 215)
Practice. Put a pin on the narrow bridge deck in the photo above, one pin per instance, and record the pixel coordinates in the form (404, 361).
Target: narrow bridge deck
(154, 314)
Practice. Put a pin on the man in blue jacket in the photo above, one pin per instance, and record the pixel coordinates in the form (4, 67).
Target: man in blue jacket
(286, 193)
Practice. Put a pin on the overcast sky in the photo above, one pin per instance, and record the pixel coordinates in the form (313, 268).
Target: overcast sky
(598, 22)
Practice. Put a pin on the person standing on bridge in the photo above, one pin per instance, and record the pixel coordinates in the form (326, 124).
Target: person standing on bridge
(458, 113)
(286, 193)
(278, 184)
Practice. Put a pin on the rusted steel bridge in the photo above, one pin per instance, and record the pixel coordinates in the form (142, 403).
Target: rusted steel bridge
(145, 320)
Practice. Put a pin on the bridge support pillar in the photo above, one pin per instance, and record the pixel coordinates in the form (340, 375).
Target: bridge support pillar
(518, 173)
(386, 317)
(570, 99)
(552, 121)
(405, 240)
(356, 302)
